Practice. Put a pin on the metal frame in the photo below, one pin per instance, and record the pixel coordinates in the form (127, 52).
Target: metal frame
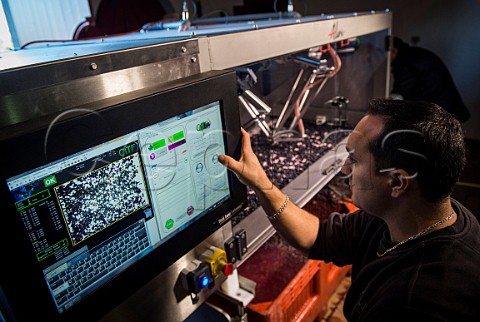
(243, 48)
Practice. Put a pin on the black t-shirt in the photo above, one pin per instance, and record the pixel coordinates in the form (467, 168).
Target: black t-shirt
(433, 278)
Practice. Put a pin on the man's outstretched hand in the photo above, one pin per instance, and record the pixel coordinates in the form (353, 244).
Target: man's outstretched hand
(248, 169)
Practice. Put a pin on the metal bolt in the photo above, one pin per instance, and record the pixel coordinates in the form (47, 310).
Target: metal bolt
(193, 59)
(93, 66)
(183, 49)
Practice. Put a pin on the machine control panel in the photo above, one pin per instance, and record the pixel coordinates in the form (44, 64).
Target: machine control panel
(195, 277)
(202, 272)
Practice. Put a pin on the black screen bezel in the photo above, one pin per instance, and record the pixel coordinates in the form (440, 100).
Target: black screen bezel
(22, 281)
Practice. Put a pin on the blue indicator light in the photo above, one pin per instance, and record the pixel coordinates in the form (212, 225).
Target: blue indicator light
(204, 282)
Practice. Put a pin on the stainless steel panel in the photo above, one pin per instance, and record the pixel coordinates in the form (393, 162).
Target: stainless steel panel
(25, 105)
(48, 52)
(243, 48)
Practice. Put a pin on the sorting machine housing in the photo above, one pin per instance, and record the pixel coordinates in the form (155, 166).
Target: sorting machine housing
(66, 76)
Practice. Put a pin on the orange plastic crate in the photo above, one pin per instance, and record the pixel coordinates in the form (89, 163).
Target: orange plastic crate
(305, 295)
(299, 301)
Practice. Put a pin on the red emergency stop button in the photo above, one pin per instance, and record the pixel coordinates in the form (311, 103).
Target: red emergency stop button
(228, 269)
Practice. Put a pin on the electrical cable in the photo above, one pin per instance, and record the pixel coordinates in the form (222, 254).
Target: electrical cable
(337, 65)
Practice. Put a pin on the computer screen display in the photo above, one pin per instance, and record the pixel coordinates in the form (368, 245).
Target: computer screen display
(137, 189)
(118, 212)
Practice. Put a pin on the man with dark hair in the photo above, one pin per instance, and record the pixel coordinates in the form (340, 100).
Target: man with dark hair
(420, 75)
(421, 148)
(414, 251)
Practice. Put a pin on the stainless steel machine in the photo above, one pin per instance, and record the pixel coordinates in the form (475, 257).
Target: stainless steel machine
(287, 71)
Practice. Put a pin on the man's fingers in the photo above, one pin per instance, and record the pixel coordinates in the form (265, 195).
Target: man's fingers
(230, 163)
(238, 167)
(246, 144)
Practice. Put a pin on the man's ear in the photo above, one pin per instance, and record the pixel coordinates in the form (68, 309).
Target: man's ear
(393, 54)
(399, 182)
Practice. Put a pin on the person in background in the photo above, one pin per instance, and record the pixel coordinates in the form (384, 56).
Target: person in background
(414, 251)
(420, 75)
